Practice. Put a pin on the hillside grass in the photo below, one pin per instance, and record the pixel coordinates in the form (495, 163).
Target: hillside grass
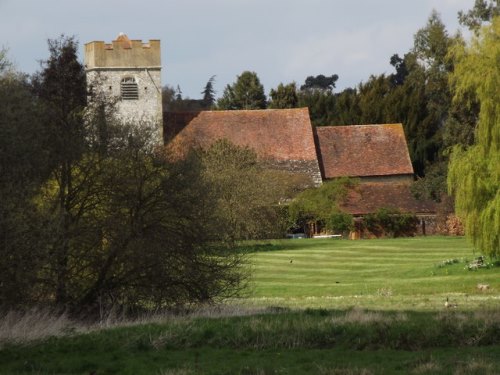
(339, 307)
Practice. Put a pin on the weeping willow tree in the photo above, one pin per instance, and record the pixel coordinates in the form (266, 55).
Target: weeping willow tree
(474, 173)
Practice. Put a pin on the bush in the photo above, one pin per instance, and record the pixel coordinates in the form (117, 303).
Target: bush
(339, 222)
(390, 223)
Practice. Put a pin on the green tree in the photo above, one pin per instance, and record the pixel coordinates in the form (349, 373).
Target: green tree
(321, 205)
(347, 111)
(247, 194)
(321, 105)
(61, 89)
(401, 70)
(317, 94)
(285, 96)
(474, 172)
(246, 93)
(372, 100)
(320, 82)
(23, 167)
(209, 93)
(483, 10)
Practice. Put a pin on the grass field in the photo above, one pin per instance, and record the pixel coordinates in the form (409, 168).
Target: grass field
(377, 274)
(313, 307)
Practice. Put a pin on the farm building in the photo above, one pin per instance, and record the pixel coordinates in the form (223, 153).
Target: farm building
(285, 139)
(282, 138)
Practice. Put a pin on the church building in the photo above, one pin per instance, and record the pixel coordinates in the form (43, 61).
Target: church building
(128, 71)
(377, 155)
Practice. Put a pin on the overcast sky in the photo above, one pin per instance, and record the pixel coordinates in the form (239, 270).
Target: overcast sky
(281, 40)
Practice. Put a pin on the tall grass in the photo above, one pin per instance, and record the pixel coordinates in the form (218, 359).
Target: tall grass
(34, 324)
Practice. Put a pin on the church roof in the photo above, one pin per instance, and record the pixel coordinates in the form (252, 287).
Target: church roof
(369, 197)
(363, 150)
(275, 134)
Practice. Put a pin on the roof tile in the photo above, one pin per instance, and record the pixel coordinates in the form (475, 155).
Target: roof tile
(278, 135)
(367, 198)
(363, 150)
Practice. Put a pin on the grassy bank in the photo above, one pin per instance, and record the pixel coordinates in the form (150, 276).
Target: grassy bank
(306, 342)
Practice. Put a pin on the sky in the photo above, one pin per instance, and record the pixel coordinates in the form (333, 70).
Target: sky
(281, 40)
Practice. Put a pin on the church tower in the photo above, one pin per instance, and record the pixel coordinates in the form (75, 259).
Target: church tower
(128, 71)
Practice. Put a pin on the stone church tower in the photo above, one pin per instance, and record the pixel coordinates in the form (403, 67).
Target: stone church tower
(128, 72)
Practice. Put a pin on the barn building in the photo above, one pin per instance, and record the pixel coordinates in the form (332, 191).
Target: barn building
(377, 155)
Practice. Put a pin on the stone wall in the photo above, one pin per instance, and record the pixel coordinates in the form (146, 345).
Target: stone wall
(107, 64)
(122, 53)
(144, 111)
(308, 168)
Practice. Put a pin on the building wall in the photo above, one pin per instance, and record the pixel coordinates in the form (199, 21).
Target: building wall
(389, 178)
(107, 64)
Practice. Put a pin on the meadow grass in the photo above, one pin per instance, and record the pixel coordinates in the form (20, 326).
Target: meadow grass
(312, 307)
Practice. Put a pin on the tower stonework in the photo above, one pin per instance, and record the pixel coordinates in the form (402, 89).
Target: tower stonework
(128, 72)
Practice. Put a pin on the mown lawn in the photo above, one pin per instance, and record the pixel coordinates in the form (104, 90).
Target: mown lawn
(326, 307)
(377, 274)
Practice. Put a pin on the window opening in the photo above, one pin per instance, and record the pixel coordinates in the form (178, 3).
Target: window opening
(129, 89)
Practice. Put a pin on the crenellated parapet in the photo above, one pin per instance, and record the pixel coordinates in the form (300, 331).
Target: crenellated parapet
(123, 53)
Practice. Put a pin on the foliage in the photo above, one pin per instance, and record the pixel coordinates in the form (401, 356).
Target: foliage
(321, 105)
(96, 218)
(172, 101)
(246, 93)
(483, 10)
(433, 185)
(416, 94)
(391, 223)
(247, 195)
(321, 204)
(320, 82)
(209, 93)
(23, 167)
(474, 172)
(5, 63)
(285, 96)
(339, 222)
(401, 70)
(61, 89)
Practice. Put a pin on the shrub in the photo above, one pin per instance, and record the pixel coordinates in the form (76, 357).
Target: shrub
(390, 223)
(339, 222)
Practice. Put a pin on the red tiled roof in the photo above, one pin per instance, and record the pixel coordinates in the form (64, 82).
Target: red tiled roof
(363, 150)
(274, 134)
(367, 198)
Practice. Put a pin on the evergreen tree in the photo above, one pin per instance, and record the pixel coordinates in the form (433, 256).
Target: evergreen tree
(285, 96)
(246, 93)
(209, 93)
(61, 89)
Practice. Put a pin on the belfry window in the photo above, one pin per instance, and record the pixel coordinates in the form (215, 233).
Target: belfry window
(129, 89)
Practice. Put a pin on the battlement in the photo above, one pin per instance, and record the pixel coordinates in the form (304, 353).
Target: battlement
(122, 53)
